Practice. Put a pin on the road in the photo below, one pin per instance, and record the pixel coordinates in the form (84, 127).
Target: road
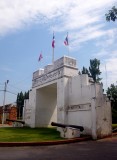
(105, 149)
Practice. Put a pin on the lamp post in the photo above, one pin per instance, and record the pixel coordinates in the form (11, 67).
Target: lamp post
(5, 87)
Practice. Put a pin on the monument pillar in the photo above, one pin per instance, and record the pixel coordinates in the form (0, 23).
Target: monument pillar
(62, 100)
(32, 103)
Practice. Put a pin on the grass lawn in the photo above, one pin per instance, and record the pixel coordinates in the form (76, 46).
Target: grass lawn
(26, 134)
(114, 126)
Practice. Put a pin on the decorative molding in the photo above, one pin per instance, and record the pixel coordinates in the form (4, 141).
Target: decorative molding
(78, 107)
(48, 77)
(65, 66)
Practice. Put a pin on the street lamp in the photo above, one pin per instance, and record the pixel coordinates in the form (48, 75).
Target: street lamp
(5, 87)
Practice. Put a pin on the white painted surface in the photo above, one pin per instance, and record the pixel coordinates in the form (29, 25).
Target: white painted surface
(46, 106)
(69, 132)
(104, 118)
(32, 104)
(27, 112)
(61, 95)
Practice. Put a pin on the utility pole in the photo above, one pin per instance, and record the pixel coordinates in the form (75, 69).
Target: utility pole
(5, 88)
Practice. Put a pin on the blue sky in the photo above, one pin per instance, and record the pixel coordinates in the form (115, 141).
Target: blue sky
(26, 29)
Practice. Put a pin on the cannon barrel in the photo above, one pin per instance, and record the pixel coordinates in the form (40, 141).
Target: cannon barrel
(67, 125)
(11, 120)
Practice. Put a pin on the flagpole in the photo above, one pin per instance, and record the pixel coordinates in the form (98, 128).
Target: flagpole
(53, 46)
(40, 60)
(53, 55)
(68, 44)
(68, 50)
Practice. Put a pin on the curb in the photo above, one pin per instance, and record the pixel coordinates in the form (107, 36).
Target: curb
(47, 143)
(109, 136)
(19, 144)
(114, 134)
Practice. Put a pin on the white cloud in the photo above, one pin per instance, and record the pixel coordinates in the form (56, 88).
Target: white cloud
(109, 39)
(100, 54)
(85, 20)
(16, 14)
(109, 68)
(112, 64)
(72, 14)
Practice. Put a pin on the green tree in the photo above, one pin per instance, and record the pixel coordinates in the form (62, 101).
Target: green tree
(20, 103)
(85, 71)
(94, 69)
(26, 95)
(112, 95)
(112, 15)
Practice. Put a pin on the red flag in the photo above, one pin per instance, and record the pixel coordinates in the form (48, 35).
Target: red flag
(66, 41)
(53, 41)
(40, 57)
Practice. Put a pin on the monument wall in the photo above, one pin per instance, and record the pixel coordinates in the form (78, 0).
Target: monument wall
(61, 95)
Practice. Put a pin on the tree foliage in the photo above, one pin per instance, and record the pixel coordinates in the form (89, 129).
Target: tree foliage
(26, 95)
(85, 71)
(20, 102)
(112, 95)
(112, 15)
(94, 69)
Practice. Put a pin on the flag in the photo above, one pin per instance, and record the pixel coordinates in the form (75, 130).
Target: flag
(53, 41)
(40, 57)
(66, 41)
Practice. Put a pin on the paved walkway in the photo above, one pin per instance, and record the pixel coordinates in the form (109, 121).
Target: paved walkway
(104, 149)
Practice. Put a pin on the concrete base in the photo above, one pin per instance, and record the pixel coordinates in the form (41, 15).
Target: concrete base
(16, 124)
(69, 132)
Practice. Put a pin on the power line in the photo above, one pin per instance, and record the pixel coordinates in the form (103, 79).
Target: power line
(9, 92)
(20, 82)
(15, 87)
(5, 88)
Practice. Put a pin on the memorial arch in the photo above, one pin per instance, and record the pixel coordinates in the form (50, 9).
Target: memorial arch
(60, 94)
(46, 105)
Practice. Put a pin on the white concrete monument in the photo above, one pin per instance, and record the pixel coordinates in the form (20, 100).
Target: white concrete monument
(59, 94)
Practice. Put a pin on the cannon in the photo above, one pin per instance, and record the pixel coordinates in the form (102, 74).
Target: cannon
(18, 121)
(67, 125)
